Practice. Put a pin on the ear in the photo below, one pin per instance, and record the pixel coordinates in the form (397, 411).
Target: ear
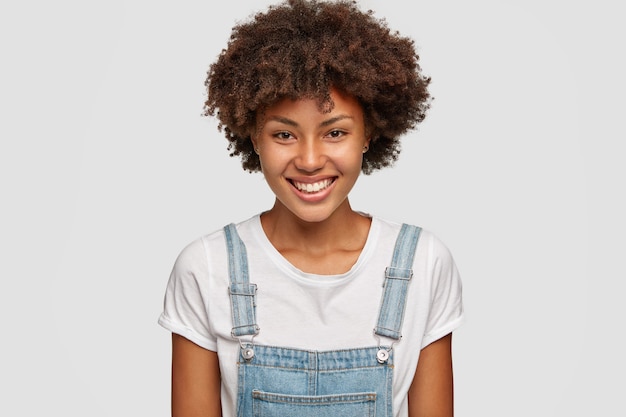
(253, 135)
(366, 145)
(369, 134)
(255, 142)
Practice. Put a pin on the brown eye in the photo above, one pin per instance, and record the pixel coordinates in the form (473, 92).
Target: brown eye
(283, 135)
(335, 134)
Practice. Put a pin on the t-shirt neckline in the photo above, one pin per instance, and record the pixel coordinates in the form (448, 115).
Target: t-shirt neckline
(311, 278)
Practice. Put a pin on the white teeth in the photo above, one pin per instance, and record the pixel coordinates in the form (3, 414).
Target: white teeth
(314, 187)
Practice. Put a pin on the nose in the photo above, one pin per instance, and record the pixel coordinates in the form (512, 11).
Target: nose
(311, 156)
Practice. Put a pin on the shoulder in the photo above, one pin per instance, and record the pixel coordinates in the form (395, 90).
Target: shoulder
(427, 238)
(430, 250)
(198, 252)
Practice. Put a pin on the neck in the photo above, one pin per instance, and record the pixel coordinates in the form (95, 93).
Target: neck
(343, 229)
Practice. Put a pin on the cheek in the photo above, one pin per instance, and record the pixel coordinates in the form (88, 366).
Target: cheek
(352, 161)
(272, 162)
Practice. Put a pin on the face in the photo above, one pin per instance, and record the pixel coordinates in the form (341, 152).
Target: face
(311, 160)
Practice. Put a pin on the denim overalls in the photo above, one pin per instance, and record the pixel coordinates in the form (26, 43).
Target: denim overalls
(285, 382)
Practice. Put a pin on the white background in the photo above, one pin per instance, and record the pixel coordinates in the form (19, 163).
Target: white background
(107, 170)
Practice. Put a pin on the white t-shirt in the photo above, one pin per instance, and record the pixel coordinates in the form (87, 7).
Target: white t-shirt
(308, 311)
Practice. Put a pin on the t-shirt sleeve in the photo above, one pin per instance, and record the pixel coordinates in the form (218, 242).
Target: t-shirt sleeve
(446, 309)
(184, 306)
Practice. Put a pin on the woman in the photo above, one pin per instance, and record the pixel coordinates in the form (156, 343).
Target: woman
(312, 308)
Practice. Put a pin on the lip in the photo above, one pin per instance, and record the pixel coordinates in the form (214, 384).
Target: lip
(313, 196)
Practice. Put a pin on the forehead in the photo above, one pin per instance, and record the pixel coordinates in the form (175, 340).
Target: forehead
(340, 103)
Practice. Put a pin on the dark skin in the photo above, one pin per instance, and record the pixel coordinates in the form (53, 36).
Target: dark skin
(195, 380)
(431, 393)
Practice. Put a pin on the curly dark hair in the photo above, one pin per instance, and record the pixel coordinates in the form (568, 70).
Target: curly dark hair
(303, 48)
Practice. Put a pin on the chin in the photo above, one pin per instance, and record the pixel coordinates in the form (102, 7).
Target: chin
(315, 215)
(312, 218)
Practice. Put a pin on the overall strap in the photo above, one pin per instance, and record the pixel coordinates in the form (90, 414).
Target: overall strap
(242, 292)
(397, 277)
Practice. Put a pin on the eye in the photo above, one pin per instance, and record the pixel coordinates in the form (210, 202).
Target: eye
(336, 134)
(283, 136)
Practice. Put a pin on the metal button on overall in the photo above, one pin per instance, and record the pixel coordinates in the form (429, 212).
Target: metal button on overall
(382, 355)
(247, 353)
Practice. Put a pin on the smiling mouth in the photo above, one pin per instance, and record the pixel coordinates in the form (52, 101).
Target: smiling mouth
(312, 187)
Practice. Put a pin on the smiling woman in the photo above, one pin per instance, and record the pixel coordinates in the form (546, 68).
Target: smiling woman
(311, 159)
(273, 315)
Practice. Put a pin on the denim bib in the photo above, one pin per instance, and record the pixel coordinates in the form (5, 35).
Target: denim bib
(286, 382)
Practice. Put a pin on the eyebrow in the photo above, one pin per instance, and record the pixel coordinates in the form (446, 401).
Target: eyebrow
(335, 120)
(325, 123)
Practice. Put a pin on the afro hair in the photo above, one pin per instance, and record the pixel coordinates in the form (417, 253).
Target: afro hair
(302, 49)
